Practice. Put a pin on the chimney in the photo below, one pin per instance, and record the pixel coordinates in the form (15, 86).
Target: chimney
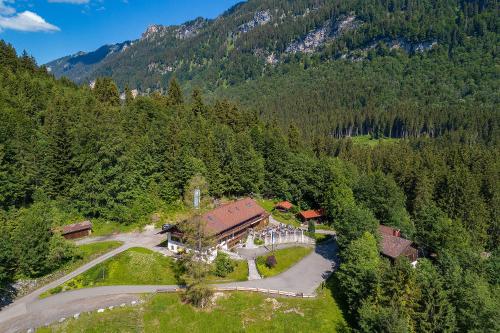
(396, 232)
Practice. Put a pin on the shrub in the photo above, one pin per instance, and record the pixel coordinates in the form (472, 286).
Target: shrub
(60, 252)
(258, 241)
(223, 265)
(311, 227)
(198, 294)
(271, 261)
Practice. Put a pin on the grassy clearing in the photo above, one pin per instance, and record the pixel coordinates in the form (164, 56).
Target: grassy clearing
(94, 250)
(230, 312)
(134, 266)
(240, 273)
(139, 266)
(324, 227)
(286, 218)
(318, 237)
(88, 252)
(267, 204)
(368, 140)
(285, 259)
(172, 213)
(105, 228)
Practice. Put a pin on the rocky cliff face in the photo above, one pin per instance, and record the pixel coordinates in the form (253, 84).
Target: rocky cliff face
(260, 18)
(327, 32)
(190, 29)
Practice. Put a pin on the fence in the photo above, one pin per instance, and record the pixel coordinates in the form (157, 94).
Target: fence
(258, 290)
(288, 237)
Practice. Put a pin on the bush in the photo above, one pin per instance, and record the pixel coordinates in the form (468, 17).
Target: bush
(258, 241)
(198, 295)
(271, 261)
(311, 227)
(61, 251)
(223, 265)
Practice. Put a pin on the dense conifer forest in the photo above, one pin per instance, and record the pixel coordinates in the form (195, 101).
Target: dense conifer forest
(286, 131)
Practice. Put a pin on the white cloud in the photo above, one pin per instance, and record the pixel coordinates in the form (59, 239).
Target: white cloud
(78, 2)
(6, 9)
(26, 21)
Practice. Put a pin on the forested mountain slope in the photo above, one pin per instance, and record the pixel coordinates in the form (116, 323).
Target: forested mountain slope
(396, 68)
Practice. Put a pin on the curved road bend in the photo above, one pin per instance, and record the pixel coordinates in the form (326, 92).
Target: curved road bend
(29, 311)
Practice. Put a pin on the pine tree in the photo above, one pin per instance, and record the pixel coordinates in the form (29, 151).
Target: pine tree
(198, 107)
(358, 273)
(294, 138)
(434, 312)
(175, 93)
(106, 91)
(129, 98)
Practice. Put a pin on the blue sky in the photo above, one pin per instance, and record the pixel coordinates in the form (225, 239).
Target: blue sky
(49, 29)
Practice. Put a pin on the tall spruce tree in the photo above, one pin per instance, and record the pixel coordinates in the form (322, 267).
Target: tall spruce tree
(174, 94)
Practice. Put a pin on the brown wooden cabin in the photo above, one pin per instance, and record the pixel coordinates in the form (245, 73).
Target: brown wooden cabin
(395, 246)
(77, 230)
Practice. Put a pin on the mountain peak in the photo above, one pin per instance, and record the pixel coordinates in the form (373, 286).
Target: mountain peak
(152, 30)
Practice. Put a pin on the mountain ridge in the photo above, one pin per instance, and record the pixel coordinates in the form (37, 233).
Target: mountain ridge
(256, 33)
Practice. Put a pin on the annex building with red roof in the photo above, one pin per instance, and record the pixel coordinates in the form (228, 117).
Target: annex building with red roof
(284, 206)
(228, 224)
(316, 215)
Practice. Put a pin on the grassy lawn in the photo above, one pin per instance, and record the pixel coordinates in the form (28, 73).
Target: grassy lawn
(368, 140)
(105, 228)
(240, 273)
(138, 266)
(230, 312)
(172, 213)
(134, 266)
(285, 258)
(88, 253)
(318, 237)
(94, 250)
(324, 227)
(286, 218)
(267, 204)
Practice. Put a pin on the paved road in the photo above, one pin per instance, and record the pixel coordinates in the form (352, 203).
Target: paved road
(304, 277)
(30, 311)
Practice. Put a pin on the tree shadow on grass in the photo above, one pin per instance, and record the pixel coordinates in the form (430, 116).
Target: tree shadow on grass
(333, 286)
(329, 249)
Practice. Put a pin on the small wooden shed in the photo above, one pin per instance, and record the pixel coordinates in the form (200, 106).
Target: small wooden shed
(77, 230)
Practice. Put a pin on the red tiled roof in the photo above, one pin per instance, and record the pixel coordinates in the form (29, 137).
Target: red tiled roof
(70, 228)
(232, 214)
(284, 205)
(392, 246)
(312, 214)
